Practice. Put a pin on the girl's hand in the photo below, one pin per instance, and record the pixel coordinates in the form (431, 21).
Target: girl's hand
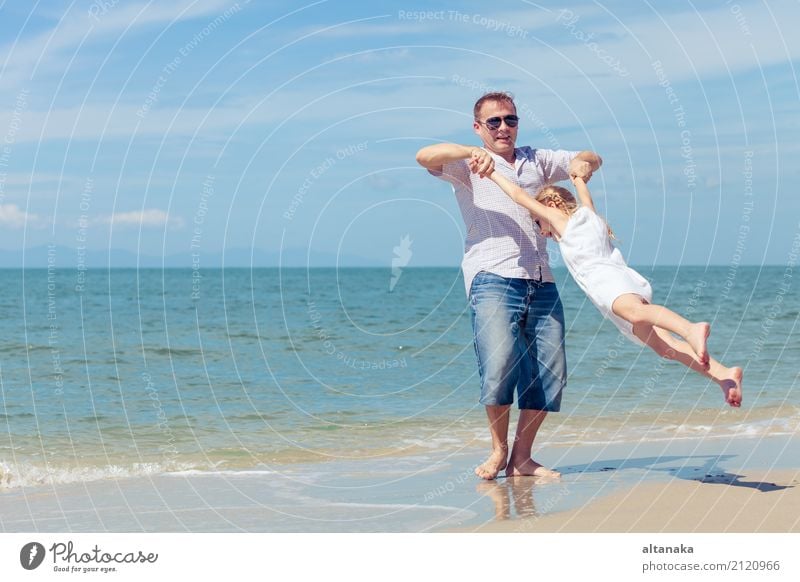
(474, 167)
(580, 168)
(481, 162)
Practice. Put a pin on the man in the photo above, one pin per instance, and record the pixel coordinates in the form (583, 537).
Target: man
(517, 317)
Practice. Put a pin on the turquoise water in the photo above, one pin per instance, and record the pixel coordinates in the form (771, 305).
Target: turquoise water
(126, 372)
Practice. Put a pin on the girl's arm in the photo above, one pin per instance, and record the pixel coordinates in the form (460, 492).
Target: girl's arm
(434, 157)
(583, 192)
(522, 198)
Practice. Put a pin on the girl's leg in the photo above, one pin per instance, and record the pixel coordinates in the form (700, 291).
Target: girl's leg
(636, 310)
(667, 346)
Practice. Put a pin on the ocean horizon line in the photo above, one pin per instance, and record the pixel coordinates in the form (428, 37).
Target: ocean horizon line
(346, 266)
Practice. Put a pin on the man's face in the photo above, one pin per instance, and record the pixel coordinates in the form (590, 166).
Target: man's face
(501, 140)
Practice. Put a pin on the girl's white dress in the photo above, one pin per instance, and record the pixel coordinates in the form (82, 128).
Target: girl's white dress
(598, 267)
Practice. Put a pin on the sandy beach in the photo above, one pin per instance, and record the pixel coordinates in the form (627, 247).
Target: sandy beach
(755, 502)
(689, 485)
(753, 486)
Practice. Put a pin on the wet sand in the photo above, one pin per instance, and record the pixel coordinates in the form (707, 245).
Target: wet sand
(751, 503)
(688, 485)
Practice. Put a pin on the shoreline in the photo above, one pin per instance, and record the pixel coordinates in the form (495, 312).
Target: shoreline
(687, 485)
(569, 432)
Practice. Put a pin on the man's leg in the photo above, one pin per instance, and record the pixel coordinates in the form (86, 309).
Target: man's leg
(545, 369)
(498, 427)
(520, 463)
(496, 305)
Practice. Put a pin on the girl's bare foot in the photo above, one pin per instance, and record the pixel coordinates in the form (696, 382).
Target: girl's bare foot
(490, 468)
(732, 387)
(697, 339)
(529, 468)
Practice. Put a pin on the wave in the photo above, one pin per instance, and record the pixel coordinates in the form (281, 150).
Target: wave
(221, 473)
(258, 456)
(575, 430)
(173, 351)
(246, 335)
(14, 347)
(16, 416)
(13, 476)
(756, 423)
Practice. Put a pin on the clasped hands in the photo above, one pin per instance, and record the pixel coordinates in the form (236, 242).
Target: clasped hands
(482, 163)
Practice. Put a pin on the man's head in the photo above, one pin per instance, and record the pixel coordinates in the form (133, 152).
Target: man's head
(495, 113)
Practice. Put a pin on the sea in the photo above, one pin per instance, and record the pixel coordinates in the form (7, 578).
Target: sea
(118, 373)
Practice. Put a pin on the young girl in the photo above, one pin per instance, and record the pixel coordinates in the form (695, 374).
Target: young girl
(620, 293)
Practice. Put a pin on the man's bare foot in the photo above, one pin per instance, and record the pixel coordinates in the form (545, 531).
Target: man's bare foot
(490, 468)
(732, 387)
(529, 468)
(698, 339)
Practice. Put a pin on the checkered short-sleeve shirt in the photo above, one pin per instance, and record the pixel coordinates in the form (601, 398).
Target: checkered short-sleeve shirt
(501, 236)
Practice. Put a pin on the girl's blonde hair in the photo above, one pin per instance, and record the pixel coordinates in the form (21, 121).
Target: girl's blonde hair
(562, 199)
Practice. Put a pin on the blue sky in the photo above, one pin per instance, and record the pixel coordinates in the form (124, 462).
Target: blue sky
(208, 126)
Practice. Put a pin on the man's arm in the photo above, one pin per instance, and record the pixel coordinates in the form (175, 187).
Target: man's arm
(584, 165)
(434, 157)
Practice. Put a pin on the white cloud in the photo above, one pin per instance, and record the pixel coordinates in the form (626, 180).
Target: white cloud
(533, 69)
(147, 218)
(12, 216)
(51, 51)
(510, 25)
(104, 122)
(690, 44)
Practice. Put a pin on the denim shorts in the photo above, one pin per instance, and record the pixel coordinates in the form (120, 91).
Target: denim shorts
(518, 331)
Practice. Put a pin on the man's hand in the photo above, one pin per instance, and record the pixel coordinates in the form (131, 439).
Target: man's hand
(580, 169)
(480, 162)
(584, 164)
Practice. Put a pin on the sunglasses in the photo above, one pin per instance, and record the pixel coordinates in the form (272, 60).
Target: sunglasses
(494, 123)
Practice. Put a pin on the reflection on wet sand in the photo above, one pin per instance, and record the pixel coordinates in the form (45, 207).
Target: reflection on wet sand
(512, 497)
